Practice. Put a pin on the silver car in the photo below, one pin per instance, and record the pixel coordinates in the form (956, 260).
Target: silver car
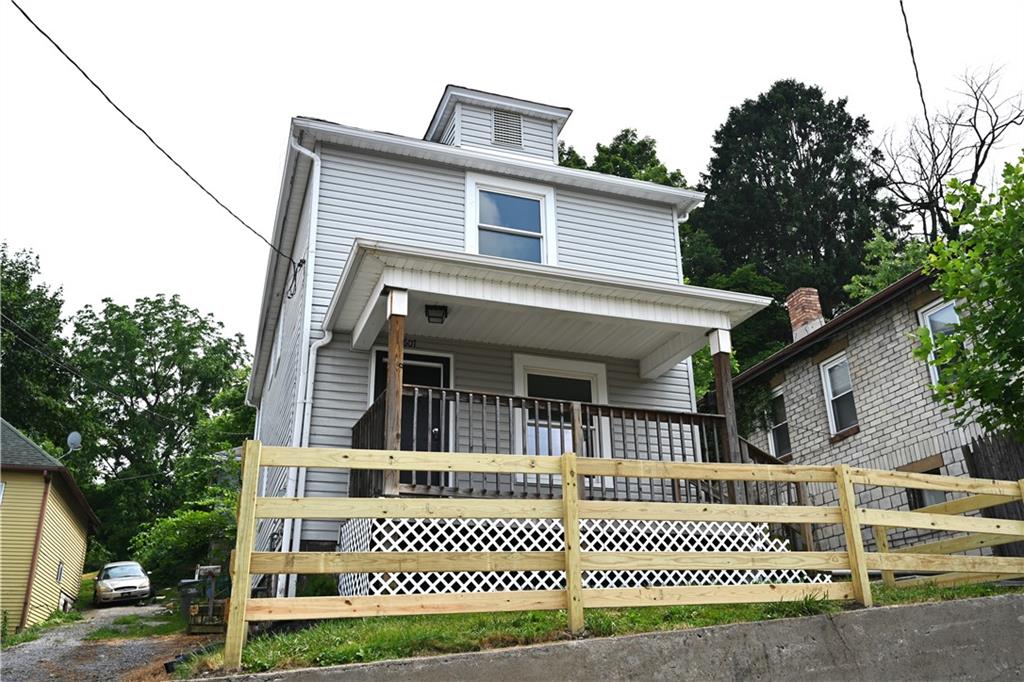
(121, 581)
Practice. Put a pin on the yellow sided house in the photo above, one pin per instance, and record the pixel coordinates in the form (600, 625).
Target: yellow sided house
(44, 523)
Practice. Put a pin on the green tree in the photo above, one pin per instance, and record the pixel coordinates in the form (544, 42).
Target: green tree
(161, 365)
(630, 156)
(981, 359)
(886, 261)
(34, 388)
(569, 157)
(791, 190)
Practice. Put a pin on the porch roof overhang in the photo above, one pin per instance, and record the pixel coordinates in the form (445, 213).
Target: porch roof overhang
(523, 305)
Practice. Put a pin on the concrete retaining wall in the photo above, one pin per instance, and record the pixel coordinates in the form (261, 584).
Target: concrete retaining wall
(974, 639)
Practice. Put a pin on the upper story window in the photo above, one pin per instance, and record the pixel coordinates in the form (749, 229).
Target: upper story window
(835, 377)
(510, 219)
(939, 318)
(778, 442)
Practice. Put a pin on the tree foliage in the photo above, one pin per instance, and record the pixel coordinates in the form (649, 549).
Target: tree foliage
(148, 409)
(982, 358)
(886, 261)
(33, 388)
(629, 156)
(200, 532)
(791, 191)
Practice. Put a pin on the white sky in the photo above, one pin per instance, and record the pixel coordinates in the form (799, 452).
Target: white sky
(217, 82)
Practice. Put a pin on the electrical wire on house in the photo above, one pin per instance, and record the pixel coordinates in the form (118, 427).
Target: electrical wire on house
(295, 266)
(74, 371)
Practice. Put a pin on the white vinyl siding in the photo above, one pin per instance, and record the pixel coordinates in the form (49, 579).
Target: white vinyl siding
(616, 237)
(477, 130)
(385, 199)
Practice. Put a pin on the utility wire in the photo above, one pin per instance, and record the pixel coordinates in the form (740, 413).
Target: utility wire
(78, 373)
(917, 74)
(295, 266)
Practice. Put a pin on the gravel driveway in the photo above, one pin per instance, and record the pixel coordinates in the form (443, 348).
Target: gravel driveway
(61, 653)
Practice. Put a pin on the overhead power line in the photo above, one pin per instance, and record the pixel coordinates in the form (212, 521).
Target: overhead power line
(295, 266)
(917, 73)
(71, 369)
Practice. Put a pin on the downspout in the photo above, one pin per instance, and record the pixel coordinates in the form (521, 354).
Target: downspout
(47, 478)
(303, 393)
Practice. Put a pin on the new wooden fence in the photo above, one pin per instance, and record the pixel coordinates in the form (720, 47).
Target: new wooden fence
(932, 557)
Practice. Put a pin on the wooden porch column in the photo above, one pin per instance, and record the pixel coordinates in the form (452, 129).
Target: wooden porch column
(397, 310)
(721, 350)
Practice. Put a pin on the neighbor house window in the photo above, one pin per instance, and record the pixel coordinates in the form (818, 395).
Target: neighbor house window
(778, 443)
(835, 376)
(60, 571)
(918, 499)
(510, 220)
(939, 319)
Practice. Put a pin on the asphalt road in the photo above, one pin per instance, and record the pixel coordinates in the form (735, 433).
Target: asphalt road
(62, 653)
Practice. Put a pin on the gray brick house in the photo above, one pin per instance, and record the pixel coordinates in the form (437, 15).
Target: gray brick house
(851, 391)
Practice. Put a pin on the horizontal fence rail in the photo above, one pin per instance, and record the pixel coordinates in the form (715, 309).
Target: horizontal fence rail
(572, 507)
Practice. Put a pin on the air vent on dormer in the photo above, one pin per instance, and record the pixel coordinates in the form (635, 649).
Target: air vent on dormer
(508, 129)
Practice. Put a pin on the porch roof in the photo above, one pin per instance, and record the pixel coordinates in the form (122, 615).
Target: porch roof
(524, 305)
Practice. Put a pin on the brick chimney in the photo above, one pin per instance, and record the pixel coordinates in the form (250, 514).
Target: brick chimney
(804, 312)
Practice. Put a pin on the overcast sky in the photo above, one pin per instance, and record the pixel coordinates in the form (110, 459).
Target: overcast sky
(217, 82)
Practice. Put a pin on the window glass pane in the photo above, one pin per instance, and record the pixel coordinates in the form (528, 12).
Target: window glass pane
(943, 320)
(844, 412)
(505, 210)
(558, 388)
(839, 378)
(780, 439)
(510, 246)
(778, 410)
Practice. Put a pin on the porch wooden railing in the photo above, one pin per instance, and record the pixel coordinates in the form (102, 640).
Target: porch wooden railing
(570, 509)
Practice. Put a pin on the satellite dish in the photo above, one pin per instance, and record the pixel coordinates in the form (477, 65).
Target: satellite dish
(74, 441)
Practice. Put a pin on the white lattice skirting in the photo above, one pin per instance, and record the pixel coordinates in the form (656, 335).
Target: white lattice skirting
(528, 535)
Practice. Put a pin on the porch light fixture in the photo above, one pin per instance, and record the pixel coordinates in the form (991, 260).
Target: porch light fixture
(436, 314)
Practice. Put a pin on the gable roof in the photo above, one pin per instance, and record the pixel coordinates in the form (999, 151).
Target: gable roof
(20, 453)
(834, 326)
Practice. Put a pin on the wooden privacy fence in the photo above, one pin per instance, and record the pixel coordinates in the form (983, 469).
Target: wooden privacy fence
(932, 557)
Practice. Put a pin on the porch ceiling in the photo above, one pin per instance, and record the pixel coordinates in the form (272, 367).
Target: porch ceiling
(495, 301)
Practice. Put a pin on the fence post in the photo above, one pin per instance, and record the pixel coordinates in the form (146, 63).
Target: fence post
(571, 525)
(234, 640)
(854, 541)
(882, 541)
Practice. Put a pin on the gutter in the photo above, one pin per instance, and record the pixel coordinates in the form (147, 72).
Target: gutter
(303, 383)
(33, 565)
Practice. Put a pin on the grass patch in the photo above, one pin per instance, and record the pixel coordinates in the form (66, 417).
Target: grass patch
(136, 626)
(86, 589)
(373, 639)
(33, 632)
(885, 596)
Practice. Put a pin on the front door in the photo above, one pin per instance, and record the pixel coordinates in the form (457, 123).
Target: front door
(420, 417)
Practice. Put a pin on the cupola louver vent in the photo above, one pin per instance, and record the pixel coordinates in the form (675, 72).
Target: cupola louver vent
(508, 129)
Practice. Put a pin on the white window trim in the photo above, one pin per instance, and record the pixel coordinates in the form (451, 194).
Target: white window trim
(596, 372)
(922, 317)
(771, 426)
(545, 194)
(827, 387)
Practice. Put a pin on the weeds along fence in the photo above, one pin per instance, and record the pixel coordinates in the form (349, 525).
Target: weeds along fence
(939, 557)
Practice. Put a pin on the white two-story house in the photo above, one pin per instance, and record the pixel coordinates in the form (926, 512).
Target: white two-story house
(463, 291)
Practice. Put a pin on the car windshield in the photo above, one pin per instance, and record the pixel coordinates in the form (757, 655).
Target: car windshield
(115, 572)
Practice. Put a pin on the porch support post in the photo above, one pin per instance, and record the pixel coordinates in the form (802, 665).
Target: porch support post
(397, 310)
(721, 351)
